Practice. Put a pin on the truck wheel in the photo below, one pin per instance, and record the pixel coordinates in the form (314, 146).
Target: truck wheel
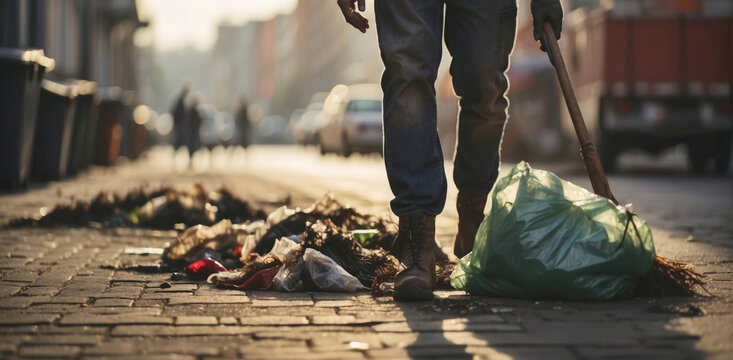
(608, 152)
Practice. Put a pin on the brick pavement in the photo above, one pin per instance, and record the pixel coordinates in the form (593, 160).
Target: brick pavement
(59, 299)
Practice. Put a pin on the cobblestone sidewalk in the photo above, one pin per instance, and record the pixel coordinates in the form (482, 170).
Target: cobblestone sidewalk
(58, 299)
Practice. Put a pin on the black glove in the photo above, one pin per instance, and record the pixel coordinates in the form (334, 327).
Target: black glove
(546, 11)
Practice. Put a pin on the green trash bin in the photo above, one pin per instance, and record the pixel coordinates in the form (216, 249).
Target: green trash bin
(56, 113)
(21, 72)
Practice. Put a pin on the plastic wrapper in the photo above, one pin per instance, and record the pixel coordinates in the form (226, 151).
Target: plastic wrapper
(249, 236)
(204, 267)
(283, 247)
(546, 237)
(236, 277)
(340, 246)
(328, 275)
(200, 237)
(261, 280)
(288, 278)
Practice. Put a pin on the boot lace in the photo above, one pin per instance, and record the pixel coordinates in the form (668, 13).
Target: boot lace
(414, 244)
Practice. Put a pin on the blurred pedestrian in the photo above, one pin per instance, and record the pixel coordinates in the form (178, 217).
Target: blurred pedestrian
(179, 114)
(479, 36)
(193, 124)
(244, 126)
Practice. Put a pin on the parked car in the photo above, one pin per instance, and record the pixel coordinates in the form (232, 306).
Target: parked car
(306, 126)
(351, 120)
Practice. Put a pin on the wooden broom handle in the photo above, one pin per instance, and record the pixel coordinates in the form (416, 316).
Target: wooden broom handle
(590, 156)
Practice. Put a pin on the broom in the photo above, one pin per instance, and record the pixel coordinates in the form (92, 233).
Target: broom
(666, 276)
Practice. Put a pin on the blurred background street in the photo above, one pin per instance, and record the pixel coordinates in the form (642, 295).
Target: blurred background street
(652, 77)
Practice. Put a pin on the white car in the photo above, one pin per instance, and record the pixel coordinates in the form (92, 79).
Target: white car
(351, 120)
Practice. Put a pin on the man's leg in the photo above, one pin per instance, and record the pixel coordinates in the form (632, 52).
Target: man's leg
(410, 33)
(480, 37)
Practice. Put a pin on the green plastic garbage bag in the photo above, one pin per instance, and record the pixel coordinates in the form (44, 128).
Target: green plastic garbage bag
(545, 237)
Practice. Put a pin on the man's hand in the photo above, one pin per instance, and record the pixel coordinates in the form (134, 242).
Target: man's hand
(546, 11)
(352, 17)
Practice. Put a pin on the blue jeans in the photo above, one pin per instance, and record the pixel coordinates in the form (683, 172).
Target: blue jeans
(479, 35)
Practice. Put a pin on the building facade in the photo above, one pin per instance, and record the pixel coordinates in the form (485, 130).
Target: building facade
(88, 39)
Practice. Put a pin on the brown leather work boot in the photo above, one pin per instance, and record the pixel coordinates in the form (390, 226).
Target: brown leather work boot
(470, 216)
(415, 247)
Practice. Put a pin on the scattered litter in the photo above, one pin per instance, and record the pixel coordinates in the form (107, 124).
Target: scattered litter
(689, 310)
(204, 267)
(163, 208)
(326, 232)
(442, 275)
(235, 245)
(178, 276)
(290, 278)
(366, 238)
(261, 280)
(236, 277)
(198, 238)
(329, 239)
(328, 275)
(283, 247)
(386, 288)
(143, 251)
(148, 268)
(356, 345)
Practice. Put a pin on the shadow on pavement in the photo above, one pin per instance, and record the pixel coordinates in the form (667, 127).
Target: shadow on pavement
(458, 326)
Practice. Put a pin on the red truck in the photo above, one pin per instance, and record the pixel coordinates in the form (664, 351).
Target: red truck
(650, 74)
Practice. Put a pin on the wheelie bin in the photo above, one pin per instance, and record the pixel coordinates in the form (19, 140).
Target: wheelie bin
(82, 121)
(56, 113)
(129, 143)
(21, 72)
(109, 131)
(91, 132)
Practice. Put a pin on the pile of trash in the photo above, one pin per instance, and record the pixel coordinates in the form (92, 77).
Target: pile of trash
(230, 243)
(164, 208)
(326, 247)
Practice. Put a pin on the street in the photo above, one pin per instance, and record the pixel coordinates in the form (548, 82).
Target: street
(57, 300)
